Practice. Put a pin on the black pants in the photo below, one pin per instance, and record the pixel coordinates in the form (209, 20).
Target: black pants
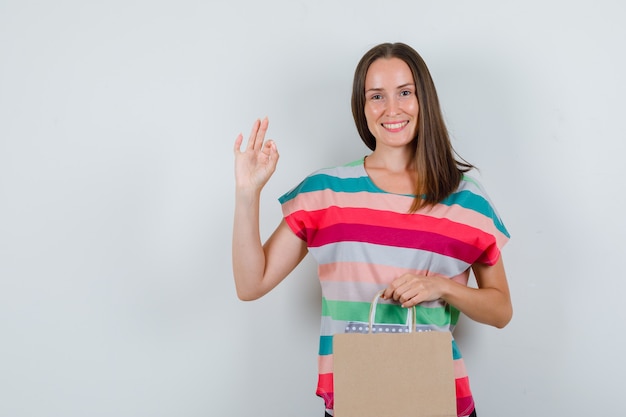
(471, 415)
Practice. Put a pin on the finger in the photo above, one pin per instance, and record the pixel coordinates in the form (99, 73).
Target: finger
(410, 298)
(270, 149)
(253, 134)
(406, 290)
(238, 141)
(390, 292)
(387, 293)
(411, 303)
(260, 133)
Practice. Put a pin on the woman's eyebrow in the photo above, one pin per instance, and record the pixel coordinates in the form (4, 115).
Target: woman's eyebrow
(377, 89)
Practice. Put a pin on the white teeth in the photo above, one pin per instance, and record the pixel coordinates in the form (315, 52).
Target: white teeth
(394, 125)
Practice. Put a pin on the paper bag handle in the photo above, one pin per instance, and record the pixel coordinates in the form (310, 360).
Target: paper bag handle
(410, 315)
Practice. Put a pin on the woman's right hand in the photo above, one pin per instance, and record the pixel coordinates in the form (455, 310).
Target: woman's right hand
(257, 162)
(258, 267)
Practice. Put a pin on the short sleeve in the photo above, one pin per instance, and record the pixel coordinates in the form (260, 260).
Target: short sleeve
(479, 213)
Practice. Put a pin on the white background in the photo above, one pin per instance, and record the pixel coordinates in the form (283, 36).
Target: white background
(117, 123)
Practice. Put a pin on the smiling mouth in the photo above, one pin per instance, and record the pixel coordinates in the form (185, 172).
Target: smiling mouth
(395, 126)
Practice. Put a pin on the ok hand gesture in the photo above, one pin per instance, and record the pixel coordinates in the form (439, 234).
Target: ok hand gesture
(256, 163)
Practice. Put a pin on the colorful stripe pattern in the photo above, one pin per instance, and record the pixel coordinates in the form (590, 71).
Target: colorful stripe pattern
(363, 237)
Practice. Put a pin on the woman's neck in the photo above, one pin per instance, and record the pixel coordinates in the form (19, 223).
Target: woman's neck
(393, 174)
(392, 160)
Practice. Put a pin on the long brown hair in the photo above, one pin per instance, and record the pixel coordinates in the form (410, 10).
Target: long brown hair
(438, 170)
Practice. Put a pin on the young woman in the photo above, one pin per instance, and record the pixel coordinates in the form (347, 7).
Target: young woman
(405, 219)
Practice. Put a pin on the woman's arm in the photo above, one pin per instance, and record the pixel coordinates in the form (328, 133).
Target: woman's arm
(490, 303)
(258, 268)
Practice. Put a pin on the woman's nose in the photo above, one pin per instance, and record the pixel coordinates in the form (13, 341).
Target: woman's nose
(393, 106)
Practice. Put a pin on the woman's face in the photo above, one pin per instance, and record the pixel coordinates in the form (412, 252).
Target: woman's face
(391, 107)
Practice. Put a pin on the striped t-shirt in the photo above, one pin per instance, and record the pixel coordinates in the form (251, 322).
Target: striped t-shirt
(363, 238)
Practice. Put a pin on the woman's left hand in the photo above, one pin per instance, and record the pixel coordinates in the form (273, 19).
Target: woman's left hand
(410, 289)
(490, 303)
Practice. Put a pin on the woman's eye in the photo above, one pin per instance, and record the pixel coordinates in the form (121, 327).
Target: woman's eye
(376, 97)
(406, 93)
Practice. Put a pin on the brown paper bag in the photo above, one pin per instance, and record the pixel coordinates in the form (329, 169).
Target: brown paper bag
(394, 374)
